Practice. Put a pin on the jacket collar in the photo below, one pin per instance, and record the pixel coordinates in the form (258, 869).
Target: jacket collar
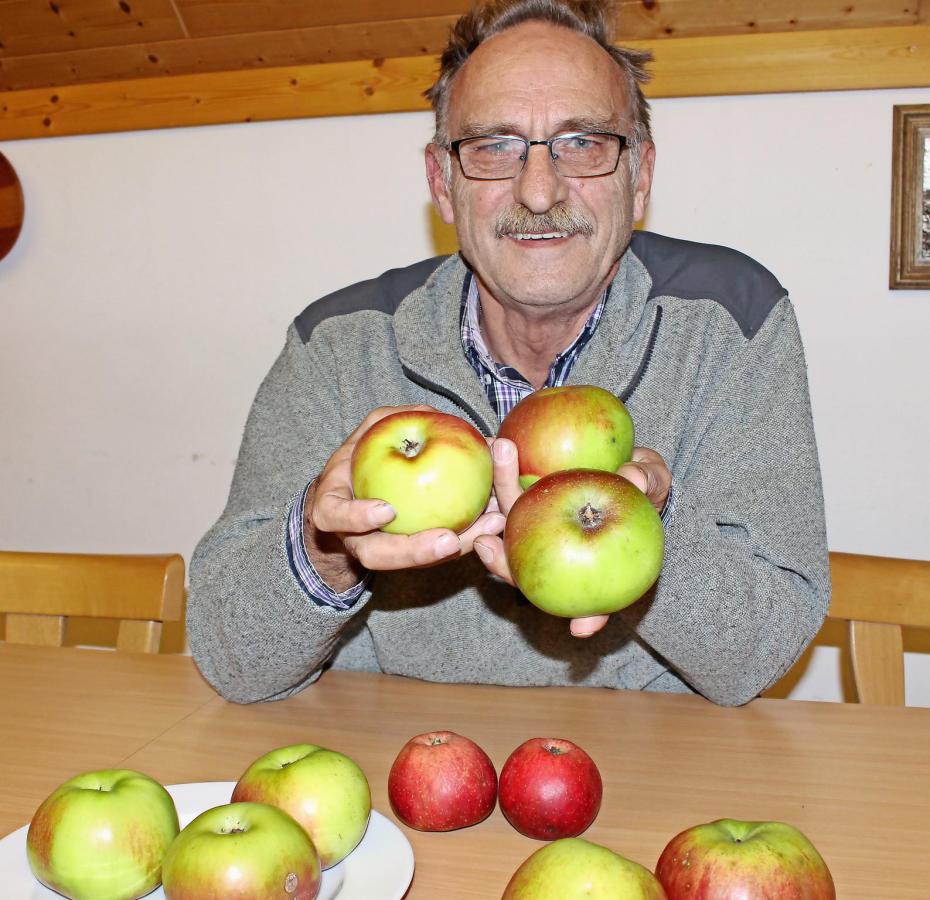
(429, 340)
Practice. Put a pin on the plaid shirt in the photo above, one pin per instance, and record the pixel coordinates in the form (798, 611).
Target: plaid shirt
(505, 387)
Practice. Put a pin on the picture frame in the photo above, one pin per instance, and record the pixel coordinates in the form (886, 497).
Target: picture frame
(910, 199)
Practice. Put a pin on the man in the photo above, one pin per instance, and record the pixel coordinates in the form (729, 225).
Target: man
(543, 161)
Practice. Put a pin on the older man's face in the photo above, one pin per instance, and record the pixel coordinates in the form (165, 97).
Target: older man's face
(536, 81)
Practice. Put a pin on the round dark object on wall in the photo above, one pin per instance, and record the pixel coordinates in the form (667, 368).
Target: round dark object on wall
(11, 206)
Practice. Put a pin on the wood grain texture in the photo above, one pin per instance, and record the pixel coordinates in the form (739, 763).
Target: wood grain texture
(878, 595)
(878, 662)
(637, 20)
(667, 762)
(880, 589)
(214, 17)
(12, 206)
(39, 591)
(56, 26)
(740, 64)
(227, 53)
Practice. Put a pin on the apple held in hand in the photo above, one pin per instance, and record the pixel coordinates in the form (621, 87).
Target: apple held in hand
(733, 860)
(325, 791)
(550, 788)
(247, 851)
(576, 869)
(569, 427)
(433, 468)
(583, 543)
(441, 781)
(102, 836)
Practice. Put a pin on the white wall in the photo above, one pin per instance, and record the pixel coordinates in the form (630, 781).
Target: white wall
(157, 272)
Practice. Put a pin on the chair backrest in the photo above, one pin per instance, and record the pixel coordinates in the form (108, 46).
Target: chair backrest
(877, 595)
(39, 591)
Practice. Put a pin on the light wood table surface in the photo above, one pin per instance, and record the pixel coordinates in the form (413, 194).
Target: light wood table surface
(855, 779)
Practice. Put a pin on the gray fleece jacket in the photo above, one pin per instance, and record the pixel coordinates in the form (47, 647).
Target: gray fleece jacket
(702, 345)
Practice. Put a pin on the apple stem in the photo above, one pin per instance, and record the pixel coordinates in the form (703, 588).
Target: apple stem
(589, 516)
(410, 448)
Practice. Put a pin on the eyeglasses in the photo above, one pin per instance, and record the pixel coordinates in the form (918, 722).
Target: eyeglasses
(493, 157)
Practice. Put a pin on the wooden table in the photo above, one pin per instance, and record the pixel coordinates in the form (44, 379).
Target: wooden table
(855, 779)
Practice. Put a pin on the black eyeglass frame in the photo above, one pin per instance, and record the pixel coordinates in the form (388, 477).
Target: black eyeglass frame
(622, 140)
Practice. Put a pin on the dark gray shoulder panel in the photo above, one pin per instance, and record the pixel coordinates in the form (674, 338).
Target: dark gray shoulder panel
(383, 294)
(746, 289)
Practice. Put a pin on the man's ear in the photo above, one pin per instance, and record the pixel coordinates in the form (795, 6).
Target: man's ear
(643, 187)
(436, 160)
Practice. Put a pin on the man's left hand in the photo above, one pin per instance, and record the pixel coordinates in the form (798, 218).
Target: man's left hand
(647, 470)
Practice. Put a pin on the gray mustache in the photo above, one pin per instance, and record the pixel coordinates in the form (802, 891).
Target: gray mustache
(519, 220)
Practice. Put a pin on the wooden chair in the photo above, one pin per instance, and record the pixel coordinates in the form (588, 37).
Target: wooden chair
(877, 595)
(39, 591)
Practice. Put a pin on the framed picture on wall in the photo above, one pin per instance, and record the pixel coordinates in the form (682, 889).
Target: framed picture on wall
(910, 199)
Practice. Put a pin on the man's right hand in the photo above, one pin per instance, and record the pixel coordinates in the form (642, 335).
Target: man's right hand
(341, 533)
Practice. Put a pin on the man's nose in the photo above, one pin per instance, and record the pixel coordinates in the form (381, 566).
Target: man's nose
(539, 186)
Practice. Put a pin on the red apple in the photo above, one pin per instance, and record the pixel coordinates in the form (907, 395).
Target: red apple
(569, 427)
(583, 543)
(441, 781)
(550, 788)
(433, 468)
(576, 869)
(733, 860)
(247, 851)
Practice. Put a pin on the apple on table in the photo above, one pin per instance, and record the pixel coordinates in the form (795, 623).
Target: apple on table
(730, 859)
(251, 851)
(435, 470)
(441, 781)
(550, 788)
(324, 790)
(102, 835)
(576, 869)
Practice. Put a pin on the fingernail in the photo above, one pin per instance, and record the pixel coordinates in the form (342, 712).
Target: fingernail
(447, 545)
(581, 634)
(502, 452)
(485, 554)
(381, 513)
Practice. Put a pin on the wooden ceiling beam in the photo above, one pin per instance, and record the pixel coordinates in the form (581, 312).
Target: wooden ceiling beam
(271, 49)
(736, 64)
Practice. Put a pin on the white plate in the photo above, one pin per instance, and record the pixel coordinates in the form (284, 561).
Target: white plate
(379, 868)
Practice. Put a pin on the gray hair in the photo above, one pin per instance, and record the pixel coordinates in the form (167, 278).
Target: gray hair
(592, 18)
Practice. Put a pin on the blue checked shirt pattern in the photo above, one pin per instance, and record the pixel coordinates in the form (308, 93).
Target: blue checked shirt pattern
(505, 388)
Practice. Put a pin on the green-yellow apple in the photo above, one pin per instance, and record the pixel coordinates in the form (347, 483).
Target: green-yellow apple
(325, 791)
(732, 860)
(583, 543)
(102, 836)
(550, 788)
(569, 427)
(433, 468)
(576, 869)
(242, 851)
(441, 781)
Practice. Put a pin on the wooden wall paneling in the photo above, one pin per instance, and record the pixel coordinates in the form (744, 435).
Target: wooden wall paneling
(214, 17)
(56, 26)
(350, 88)
(864, 58)
(738, 64)
(304, 46)
(650, 19)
